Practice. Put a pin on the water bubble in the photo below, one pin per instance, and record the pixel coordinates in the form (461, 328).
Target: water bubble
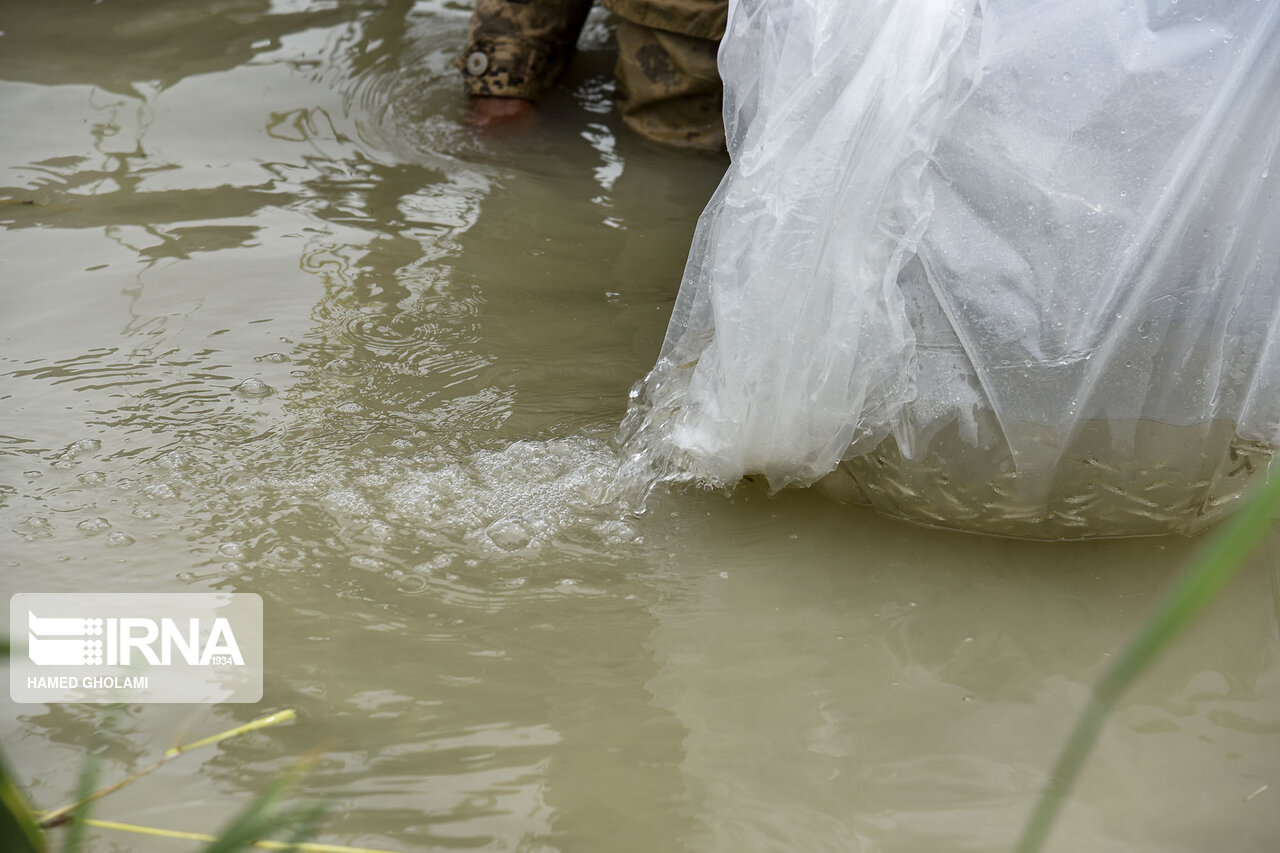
(94, 526)
(144, 513)
(78, 448)
(286, 554)
(92, 478)
(439, 561)
(525, 495)
(349, 408)
(160, 492)
(508, 534)
(231, 550)
(118, 539)
(616, 532)
(369, 564)
(344, 366)
(33, 475)
(37, 528)
(254, 389)
(273, 357)
(186, 576)
(182, 459)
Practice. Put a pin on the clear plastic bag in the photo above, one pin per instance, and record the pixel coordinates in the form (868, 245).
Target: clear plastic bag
(1014, 263)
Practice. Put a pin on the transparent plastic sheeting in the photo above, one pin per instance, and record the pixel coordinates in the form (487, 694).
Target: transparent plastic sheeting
(1012, 226)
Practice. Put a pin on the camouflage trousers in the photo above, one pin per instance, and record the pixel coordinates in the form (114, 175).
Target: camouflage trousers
(668, 85)
(669, 88)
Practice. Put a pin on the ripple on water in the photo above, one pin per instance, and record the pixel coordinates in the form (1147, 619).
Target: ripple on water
(376, 331)
(404, 88)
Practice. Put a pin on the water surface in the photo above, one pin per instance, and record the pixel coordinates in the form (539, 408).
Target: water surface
(274, 322)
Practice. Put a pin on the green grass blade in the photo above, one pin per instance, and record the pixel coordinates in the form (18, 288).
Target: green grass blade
(262, 817)
(255, 822)
(1213, 565)
(1273, 571)
(307, 821)
(73, 841)
(248, 832)
(18, 829)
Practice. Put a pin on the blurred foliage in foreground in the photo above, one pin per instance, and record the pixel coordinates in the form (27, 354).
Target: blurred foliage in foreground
(25, 830)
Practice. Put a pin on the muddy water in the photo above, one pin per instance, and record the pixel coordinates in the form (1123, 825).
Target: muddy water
(273, 322)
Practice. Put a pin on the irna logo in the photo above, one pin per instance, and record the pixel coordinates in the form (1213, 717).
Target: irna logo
(136, 647)
(129, 641)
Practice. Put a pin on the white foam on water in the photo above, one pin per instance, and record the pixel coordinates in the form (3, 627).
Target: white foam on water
(518, 498)
(503, 503)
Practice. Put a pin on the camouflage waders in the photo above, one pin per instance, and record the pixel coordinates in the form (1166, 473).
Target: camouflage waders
(668, 87)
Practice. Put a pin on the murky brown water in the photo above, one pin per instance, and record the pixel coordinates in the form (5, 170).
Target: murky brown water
(274, 323)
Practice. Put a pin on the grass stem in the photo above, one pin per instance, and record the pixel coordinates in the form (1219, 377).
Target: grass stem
(1226, 550)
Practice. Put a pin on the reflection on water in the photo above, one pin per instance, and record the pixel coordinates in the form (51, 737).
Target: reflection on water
(275, 322)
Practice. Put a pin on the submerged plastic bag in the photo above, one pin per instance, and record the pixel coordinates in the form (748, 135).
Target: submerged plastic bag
(1014, 266)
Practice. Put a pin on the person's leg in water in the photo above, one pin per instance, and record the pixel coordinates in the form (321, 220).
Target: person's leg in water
(669, 88)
